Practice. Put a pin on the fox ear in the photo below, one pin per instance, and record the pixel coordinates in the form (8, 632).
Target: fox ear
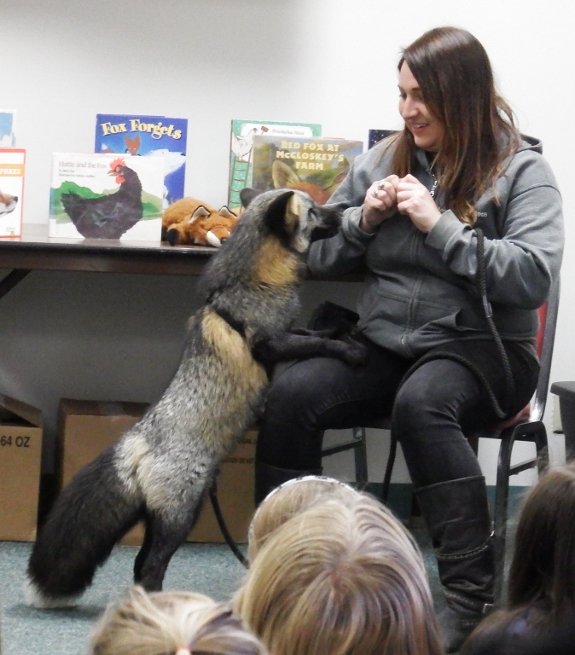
(247, 195)
(279, 216)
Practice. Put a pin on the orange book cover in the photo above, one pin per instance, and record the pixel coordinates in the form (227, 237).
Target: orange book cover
(12, 162)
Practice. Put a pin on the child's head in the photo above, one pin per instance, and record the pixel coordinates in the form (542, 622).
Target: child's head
(290, 499)
(340, 578)
(543, 566)
(169, 623)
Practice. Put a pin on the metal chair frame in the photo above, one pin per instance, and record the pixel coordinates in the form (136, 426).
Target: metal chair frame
(524, 427)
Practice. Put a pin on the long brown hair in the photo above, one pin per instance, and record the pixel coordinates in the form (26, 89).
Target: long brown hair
(542, 573)
(456, 83)
(543, 566)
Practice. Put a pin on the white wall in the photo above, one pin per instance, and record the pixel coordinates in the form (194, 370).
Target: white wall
(328, 61)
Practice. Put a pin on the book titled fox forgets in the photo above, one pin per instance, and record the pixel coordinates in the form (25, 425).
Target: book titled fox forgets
(106, 196)
(148, 136)
(316, 165)
(12, 161)
(241, 144)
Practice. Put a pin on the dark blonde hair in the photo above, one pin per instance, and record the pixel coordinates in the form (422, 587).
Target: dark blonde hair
(341, 579)
(290, 499)
(161, 623)
(456, 83)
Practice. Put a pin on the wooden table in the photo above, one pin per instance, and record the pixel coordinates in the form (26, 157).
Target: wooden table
(35, 251)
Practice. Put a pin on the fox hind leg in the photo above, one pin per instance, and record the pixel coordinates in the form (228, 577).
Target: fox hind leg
(165, 533)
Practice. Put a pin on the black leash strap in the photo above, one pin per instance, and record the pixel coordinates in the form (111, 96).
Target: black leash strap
(213, 492)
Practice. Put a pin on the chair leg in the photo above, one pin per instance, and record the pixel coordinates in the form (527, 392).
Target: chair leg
(500, 515)
(542, 446)
(360, 455)
(389, 468)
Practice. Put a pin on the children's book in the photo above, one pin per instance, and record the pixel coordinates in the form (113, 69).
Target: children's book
(12, 162)
(7, 128)
(375, 136)
(148, 136)
(316, 165)
(106, 196)
(241, 143)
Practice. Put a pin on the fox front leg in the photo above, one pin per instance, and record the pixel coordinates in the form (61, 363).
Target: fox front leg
(298, 346)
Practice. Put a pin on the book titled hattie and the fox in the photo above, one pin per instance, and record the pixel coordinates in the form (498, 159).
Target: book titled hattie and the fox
(120, 192)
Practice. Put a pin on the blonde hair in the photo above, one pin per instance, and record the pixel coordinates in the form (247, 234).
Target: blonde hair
(171, 622)
(288, 500)
(341, 579)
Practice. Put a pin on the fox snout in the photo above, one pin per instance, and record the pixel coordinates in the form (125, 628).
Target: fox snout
(330, 221)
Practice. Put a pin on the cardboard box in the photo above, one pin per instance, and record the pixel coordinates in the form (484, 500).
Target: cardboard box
(20, 461)
(85, 428)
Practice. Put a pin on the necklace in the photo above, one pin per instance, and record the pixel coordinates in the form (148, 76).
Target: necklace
(434, 186)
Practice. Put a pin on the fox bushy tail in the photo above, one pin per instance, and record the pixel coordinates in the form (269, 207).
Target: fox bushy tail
(88, 518)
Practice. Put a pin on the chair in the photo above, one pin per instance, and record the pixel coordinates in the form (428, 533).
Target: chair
(527, 426)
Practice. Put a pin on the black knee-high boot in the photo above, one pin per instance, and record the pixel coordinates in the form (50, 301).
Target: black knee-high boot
(457, 517)
(269, 477)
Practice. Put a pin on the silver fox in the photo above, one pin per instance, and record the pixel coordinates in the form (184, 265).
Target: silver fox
(159, 469)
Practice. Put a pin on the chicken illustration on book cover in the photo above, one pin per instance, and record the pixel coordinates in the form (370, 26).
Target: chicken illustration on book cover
(241, 143)
(12, 162)
(316, 165)
(148, 136)
(106, 196)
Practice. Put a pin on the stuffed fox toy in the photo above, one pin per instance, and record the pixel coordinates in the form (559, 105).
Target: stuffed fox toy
(190, 221)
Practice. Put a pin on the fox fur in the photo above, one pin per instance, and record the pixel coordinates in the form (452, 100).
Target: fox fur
(159, 468)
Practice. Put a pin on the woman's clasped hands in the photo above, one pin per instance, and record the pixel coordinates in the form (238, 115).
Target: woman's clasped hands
(406, 195)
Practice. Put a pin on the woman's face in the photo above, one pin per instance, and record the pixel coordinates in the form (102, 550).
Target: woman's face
(427, 130)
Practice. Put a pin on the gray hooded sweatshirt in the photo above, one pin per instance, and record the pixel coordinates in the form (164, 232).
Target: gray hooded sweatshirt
(421, 289)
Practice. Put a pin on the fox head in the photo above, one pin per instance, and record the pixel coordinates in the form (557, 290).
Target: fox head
(269, 243)
(293, 216)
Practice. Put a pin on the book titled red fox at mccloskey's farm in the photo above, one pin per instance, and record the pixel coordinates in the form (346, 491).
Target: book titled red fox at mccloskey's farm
(148, 136)
(316, 165)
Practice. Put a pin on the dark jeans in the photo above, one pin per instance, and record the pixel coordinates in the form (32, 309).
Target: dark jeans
(435, 408)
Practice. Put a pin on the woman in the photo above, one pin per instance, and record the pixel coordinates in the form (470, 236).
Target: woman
(341, 577)
(415, 208)
(541, 599)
